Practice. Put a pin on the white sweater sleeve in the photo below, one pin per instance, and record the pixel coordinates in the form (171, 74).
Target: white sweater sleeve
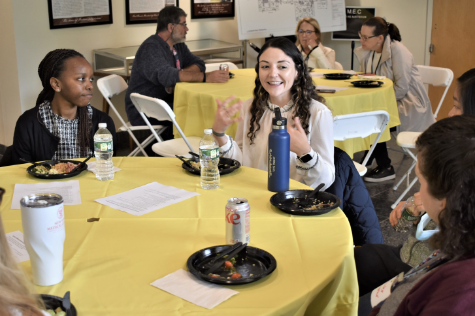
(321, 141)
(324, 59)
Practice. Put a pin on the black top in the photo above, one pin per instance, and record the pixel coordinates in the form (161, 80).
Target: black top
(34, 142)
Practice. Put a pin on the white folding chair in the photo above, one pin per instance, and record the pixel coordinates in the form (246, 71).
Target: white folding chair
(213, 67)
(338, 66)
(160, 110)
(114, 85)
(437, 77)
(360, 125)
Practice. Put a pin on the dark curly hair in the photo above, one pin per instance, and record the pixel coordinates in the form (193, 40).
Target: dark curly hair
(52, 66)
(447, 162)
(302, 91)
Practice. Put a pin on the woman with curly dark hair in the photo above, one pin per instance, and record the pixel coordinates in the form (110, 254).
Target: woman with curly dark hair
(444, 283)
(282, 81)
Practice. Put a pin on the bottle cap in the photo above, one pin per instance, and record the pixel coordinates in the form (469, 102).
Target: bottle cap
(208, 131)
(102, 125)
(278, 120)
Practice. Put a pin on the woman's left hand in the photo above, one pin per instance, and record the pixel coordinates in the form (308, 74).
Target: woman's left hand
(312, 43)
(298, 139)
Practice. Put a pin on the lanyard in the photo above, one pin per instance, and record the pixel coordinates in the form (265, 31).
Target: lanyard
(177, 61)
(372, 63)
(308, 55)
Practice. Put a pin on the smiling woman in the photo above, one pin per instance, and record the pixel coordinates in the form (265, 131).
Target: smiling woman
(282, 81)
(62, 124)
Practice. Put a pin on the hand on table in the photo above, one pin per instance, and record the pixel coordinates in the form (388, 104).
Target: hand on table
(396, 213)
(224, 115)
(217, 76)
(298, 139)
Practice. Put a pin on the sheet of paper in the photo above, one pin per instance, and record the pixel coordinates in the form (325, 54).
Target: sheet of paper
(316, 74)
(69, 190)
(91, 166)
(17, 245)
(183, 284)
(331, 88)
(146, 199)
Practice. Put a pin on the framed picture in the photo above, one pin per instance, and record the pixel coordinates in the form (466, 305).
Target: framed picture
(75, 13)
(355, 17)
(145, 11)
(202, 9)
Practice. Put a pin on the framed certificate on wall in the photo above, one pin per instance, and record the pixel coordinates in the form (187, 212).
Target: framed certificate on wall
(202, 9)
(145, 11)
(75, 13)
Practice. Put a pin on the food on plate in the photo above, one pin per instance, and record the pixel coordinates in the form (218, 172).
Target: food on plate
(59, 168)
(197, 165)
(57, 312)
(236, 276)
(314, 204)
(228, 265)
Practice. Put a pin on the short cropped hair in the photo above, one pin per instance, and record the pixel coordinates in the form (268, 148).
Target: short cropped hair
(169, 15)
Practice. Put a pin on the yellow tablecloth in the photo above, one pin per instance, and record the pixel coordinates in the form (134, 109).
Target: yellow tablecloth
(195, 104)
(109, 264)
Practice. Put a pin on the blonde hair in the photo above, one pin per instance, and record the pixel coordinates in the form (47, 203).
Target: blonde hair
(15, 291)
(315, 25)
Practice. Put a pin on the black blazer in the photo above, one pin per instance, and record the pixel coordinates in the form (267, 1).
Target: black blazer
(34, 142)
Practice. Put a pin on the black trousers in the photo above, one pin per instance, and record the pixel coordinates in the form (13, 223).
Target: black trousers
(376, 264)
(380, 153)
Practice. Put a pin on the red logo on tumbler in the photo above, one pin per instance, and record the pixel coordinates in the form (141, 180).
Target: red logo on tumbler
(233, 218)
(60, 212)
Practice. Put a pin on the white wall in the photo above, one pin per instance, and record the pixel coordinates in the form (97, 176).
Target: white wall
(26, 38)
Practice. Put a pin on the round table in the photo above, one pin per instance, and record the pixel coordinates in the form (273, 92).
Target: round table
(110, 263)
(195, 104)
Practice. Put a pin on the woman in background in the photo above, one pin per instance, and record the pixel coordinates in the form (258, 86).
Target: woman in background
(382, 53)
(309, 43)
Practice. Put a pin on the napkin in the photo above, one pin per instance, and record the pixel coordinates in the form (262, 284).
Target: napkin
(91, 166)
(183, 284)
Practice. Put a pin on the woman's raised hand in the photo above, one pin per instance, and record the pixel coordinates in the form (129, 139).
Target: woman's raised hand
(298, 139)
(224, 114)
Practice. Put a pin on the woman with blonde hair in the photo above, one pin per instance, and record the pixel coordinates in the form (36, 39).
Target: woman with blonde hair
(15, 291)
(309, 43)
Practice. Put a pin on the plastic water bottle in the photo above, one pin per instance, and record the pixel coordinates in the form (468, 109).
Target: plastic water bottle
(103, 150)
(278, 155)
(209, 159)
(407, 217)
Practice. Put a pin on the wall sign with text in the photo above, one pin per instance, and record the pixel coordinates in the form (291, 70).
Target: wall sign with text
(74, 13)
(355, 17)
(145, 11)
(202, 9)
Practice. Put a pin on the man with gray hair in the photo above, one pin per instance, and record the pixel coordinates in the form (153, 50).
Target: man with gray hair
(163, 60)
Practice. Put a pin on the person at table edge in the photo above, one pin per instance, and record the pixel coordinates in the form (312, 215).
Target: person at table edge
(163, 60)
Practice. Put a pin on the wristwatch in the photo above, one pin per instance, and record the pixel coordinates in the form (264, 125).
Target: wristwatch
(305, 158)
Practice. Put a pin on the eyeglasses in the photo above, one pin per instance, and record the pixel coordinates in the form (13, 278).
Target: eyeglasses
(306, 32)
(365, 38)
(184, 24)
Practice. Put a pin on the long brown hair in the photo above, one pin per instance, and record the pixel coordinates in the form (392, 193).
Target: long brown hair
(384, 28)
(53, 66)
(447, 162)
(15, 290)
(302, 91)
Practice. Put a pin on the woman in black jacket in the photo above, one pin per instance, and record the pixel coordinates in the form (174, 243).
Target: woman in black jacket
(63, 123)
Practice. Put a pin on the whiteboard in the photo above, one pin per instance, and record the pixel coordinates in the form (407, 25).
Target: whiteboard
(265, 18)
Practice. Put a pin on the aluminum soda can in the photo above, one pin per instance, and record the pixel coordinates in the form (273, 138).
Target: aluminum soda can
(223, 67)
(42, 216)
(238, 221)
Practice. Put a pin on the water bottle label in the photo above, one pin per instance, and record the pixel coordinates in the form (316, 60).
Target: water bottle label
(409, 217)
(103, 146)
(207, 154)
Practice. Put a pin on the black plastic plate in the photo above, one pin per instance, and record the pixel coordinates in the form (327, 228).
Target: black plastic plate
(53, 302)
(252, 263)
(367, 83)
(225, 166)
(56, 176)
(338, 76)
(291, 202)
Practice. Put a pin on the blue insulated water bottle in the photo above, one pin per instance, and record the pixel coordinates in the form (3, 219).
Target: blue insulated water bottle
(278, 155)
